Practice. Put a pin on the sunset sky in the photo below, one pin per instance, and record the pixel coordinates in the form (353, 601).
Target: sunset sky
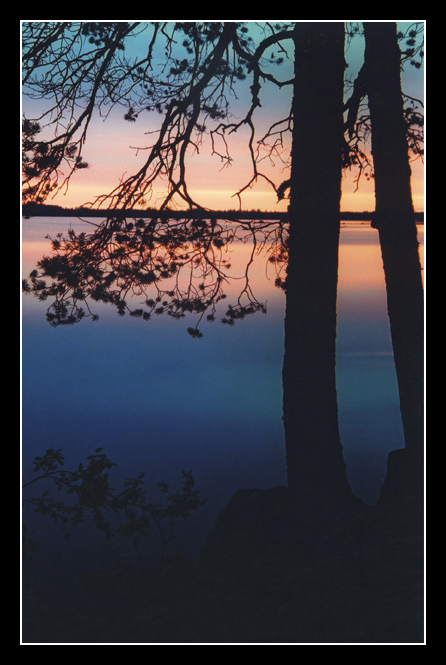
(112, 145)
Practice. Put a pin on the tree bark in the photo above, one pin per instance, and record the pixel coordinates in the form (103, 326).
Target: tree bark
(395, 221)
(315, 463)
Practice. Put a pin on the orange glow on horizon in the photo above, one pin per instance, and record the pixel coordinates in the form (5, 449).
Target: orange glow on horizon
(216, 189)
(112, 152)
(116, 149)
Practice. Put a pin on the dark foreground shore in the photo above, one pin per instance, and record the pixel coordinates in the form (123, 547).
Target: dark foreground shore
(262, 579)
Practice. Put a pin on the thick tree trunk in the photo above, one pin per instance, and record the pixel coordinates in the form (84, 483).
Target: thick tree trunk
(395, 221)
(315, 463)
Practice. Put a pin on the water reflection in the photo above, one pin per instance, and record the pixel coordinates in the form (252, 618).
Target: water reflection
(158, 400)
(152, 267)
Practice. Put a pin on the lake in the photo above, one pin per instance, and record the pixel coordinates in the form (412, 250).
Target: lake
(159, 401)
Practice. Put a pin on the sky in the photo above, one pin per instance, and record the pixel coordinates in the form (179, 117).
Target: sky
(112, 145)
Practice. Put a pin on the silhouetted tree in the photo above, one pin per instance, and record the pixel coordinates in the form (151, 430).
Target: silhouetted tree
(314, 452)
(190, 81)
(395, 221)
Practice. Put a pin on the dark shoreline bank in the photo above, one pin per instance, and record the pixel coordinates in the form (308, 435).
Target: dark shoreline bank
(57, 211)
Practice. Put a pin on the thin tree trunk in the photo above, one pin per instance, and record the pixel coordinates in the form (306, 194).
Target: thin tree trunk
(395, 221)
(315, 463)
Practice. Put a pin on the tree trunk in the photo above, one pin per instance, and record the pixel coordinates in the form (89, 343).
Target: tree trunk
(395, 221)
(315, 463)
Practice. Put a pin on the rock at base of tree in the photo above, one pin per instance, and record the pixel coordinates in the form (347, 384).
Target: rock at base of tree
(404, 481)
(394, 482)
(264, 524)
(252, 522)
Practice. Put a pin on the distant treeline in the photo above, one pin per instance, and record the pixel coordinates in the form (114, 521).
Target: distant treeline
(45, 210)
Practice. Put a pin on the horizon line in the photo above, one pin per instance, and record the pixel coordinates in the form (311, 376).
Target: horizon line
(30, 210)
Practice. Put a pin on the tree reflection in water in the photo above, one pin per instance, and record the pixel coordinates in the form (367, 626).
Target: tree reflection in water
(172, 266)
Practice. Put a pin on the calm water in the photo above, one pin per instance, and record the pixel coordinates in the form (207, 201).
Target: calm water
(159, 401)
